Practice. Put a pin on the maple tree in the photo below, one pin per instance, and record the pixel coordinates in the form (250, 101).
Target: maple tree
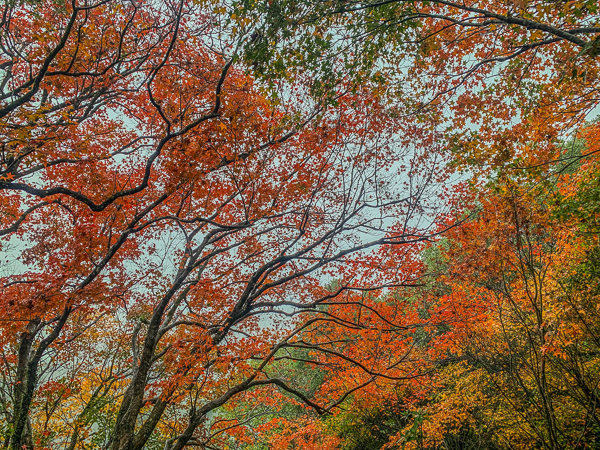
(524, 322)
(504, 82)
(513, 359)
(168, 223)
(506, 324)
(212, 213)
(517, 302)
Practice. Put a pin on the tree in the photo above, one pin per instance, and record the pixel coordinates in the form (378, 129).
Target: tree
(521, 317)
(508, 323)
(505, 82)
(167, 227)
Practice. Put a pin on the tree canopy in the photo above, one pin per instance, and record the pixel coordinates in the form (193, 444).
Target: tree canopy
(299, 224)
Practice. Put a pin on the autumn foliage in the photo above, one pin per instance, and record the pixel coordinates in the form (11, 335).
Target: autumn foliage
(169, 227)
(299, 225)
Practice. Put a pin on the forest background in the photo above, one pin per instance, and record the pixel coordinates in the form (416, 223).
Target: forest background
(298, 224)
